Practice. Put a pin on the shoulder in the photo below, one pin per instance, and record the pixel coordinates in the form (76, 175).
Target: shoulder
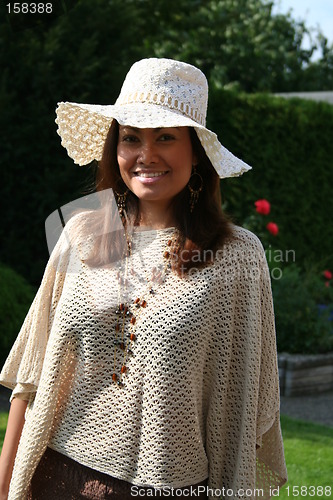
(242, 256)
(82, 226)
(242, 242)
(78, 222)
(241, 259)
(74, 232)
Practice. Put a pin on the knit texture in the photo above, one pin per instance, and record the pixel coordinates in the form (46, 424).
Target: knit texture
(201, 389)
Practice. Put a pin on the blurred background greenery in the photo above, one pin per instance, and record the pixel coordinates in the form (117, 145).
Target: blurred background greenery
(82, 52)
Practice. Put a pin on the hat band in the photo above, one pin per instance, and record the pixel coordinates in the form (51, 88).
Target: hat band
(162, 100)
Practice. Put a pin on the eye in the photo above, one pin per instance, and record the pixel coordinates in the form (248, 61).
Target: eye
(129, 138)
(166, 137)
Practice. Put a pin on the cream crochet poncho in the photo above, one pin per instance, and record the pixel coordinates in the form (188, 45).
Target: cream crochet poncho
(200, 396)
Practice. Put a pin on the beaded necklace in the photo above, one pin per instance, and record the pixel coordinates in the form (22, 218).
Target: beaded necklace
(128, 312)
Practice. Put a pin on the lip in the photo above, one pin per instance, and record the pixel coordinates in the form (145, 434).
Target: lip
(149, 177)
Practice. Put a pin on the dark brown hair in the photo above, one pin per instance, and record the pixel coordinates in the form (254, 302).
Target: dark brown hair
(206, 228)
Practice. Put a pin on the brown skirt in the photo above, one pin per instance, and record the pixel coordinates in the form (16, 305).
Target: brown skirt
(58, 477)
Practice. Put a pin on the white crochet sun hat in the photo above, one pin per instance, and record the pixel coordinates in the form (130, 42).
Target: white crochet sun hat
(156, 93)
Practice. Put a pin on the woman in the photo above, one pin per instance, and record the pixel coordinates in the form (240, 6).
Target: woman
(147, 361)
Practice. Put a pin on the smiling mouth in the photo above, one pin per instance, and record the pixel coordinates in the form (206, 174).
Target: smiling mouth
(147, 175)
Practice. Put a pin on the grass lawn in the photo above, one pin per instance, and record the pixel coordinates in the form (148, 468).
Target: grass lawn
(309, 456)
(3, 423)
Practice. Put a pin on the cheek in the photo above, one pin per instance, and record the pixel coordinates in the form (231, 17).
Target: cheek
(121, 169)
(185, 164)
(183, 176)
(124, 170)
(125, 161)
(186, 174)
(121, 163)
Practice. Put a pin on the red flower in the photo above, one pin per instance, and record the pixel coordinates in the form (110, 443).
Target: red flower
(327, 274)
(263, 207)
(272, 228)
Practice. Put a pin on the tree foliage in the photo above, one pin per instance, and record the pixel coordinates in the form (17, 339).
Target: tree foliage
(239, 43)
(82, 52)
(16, 296)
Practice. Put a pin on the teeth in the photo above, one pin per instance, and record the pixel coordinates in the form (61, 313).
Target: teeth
(146, 175)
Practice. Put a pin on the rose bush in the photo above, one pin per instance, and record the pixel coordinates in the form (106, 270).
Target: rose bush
(257, 224)
(272, 228)
(303, 311)
(303, 304)
(327, 274)
(262, 207)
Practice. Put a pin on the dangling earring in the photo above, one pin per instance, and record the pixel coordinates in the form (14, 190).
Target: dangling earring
(194, 189)
(121, 202)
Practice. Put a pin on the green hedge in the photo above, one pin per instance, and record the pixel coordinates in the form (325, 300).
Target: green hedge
(16, 296)
(289, 145)
(303, 311)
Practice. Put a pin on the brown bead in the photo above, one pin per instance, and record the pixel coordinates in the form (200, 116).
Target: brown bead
(132, 337)
(122, 346)
(143, 303)
(114, 377)
(123, 369)
(166, 255)
(169, 243)
(121, 307)
(133, 320)
(117, 327)
(137, 300)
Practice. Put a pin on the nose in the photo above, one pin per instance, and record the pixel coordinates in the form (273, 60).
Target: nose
(148, 153)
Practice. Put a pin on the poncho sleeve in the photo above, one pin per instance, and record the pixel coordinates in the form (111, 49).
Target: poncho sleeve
(243, 435)
(22, 369)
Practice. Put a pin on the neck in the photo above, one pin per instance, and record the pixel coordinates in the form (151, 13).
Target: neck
(156, 216)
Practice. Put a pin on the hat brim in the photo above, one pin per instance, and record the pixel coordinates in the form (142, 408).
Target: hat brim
(83, 129)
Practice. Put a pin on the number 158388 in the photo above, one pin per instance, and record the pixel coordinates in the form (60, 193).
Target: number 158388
(29, 8)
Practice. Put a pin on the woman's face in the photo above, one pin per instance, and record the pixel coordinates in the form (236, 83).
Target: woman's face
(155, 163)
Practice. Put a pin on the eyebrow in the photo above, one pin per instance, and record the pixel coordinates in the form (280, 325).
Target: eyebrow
(138, 130)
